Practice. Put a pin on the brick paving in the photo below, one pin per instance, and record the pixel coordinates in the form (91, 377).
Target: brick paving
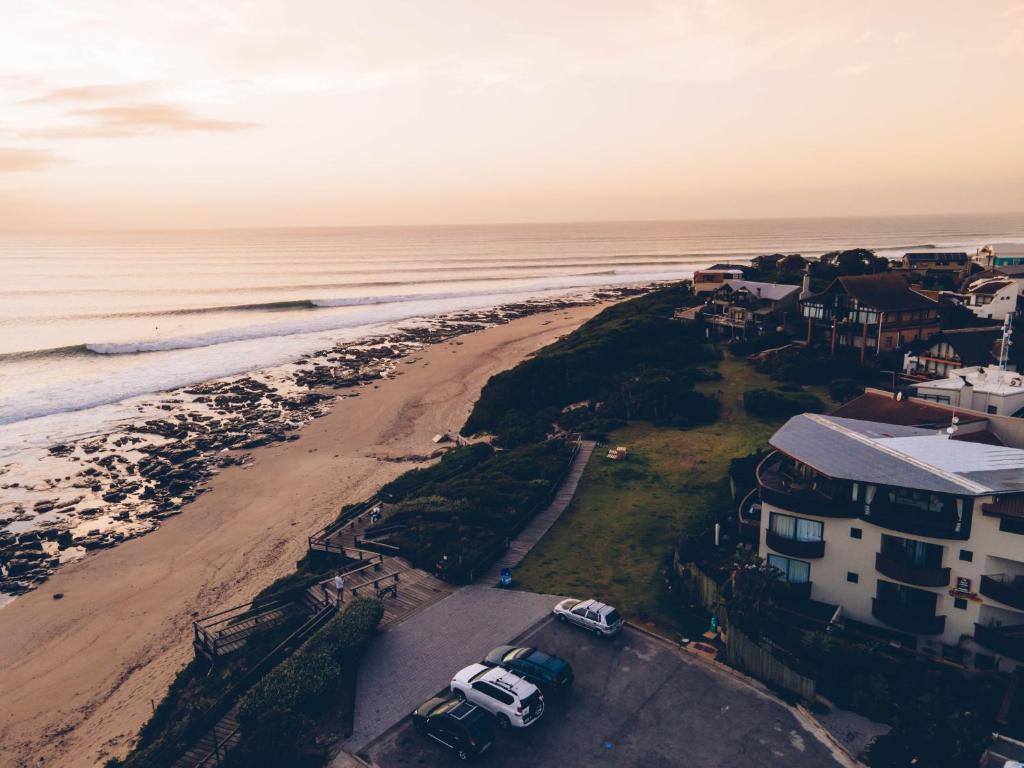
(416, 658)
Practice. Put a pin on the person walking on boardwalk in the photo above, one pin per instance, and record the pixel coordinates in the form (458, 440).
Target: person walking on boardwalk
(339, 589)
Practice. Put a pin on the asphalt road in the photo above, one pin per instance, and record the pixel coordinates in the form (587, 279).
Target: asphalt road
(635, 702)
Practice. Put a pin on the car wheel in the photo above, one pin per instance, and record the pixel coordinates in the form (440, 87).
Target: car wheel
(460, 695)
(462, 755)
(598, 633)
(563, 618)
(503, 722)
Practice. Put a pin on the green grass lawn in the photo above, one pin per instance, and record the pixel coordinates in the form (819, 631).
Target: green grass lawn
(615, 541)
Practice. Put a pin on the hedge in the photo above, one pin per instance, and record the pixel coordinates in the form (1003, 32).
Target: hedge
(277, 715)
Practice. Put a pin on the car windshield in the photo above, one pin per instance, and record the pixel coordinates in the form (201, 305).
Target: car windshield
(516, 653)
(479, 674)
(539, 658)
(612, 617)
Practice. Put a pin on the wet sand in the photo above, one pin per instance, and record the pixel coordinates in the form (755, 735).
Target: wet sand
(79, 673)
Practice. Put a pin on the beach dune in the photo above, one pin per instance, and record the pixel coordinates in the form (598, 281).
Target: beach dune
(81, 674)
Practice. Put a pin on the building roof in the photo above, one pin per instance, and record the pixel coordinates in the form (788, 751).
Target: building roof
(725, 268)
(986, 379)
(974, 346)
(885, 291)
(770, 291)
(958, 257)
(906, 457)
(874, 406)
(990, 286)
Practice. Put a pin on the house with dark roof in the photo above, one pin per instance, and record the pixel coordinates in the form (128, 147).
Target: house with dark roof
(869, 314)
(912, 535)
(960, 348)
(741, 308)
(935, 261)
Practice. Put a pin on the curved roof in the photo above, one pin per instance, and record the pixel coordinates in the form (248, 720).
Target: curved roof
(908, 457)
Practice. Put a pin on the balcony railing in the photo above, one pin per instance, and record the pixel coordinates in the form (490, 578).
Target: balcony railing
(794, 548)
(1004, 588)
(915, 521)
(909, 573)
(796, 496)
(906, 619)
(1008, 641)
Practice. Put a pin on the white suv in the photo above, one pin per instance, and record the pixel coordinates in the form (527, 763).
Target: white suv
(507, 696)
(599, 618)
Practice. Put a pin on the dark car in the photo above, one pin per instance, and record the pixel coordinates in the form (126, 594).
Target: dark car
(462, 727)
(549, 673)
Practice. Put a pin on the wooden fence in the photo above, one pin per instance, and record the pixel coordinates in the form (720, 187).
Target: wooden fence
(755, 659)
(758, 661)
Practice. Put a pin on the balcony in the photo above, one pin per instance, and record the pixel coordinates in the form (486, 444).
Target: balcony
(908, 573)
(794, 495)
(794, 548)
(1007, 641)
(904, 618)
(915, 521)
(1004, 588)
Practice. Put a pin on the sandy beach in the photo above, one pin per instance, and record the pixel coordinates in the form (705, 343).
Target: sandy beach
(80, 673)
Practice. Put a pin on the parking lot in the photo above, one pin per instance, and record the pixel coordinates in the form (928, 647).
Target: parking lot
(636, 702)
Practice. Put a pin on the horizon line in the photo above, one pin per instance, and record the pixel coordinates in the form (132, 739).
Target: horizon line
(536, 223)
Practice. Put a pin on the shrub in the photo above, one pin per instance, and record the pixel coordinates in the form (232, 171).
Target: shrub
(452, 523)
(772, 404)
(452, 463)
(276, 716)
(633, 359)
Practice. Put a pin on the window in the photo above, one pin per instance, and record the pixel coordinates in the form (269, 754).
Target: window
(960, 603)
(920, 554)
(793, 571)
(856, 533)
(966, 555)
(991, 409)
(795, 528)
(852, 577)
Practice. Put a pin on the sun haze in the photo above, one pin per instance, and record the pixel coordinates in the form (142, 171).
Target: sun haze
(232, 114)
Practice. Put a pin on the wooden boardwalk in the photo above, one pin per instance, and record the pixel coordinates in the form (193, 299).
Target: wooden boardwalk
(534, 532)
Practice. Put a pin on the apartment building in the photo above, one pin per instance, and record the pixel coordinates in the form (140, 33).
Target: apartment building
(909, 533)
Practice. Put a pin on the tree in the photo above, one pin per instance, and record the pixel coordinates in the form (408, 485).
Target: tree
(752, 606)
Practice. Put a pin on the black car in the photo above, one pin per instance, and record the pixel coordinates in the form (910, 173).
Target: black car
(462, 727)
(549, 673)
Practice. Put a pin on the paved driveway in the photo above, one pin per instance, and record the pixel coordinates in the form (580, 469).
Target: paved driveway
(415, 659)
(636, 702)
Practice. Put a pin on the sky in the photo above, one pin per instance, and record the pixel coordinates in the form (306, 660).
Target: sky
(154, 114)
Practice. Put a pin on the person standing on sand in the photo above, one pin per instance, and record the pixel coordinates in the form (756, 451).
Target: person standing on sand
(339, 589)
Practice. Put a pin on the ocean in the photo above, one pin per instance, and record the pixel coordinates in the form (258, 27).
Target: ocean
(97, 327)
(90, 319)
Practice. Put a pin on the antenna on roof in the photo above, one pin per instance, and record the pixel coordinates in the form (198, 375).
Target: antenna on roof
(1004, 345)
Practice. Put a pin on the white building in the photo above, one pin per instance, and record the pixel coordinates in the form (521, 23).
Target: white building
(992, 298)
(913, 535)
(987, 389)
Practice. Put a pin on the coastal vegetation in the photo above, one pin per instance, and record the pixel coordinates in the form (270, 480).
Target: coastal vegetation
(454, 517)
(279, 714)
(633, 361)
(617, 537)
